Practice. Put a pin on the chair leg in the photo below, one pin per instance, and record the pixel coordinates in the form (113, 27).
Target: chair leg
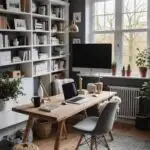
(81, 137)
(111, 136)
(92, 142)
(96, 144)
(106, 142)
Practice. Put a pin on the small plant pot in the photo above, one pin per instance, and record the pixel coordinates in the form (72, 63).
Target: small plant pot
(113, 71)
(143, 71)
(128, 73)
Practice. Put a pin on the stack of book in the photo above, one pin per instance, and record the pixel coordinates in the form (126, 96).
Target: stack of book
(40, 25)
(41, 67)
(5, 57)
(4, 40)
(25, 55)
(40, 39)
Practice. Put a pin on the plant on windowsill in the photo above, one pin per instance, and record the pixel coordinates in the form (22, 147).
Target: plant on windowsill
(141, 61)
(128, 71)
(113, 67)
(148, 61)
(123, 71)
(10, 89)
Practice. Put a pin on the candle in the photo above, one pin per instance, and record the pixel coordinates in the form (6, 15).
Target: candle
(80, 83)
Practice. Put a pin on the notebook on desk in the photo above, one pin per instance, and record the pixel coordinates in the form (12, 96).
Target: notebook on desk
(48, 108)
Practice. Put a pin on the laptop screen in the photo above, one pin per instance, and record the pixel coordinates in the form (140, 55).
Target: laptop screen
(69, 90)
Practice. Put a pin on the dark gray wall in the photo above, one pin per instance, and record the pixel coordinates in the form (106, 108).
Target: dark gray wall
(77, 6)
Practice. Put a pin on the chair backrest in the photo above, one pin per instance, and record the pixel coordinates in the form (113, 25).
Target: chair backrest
(58, 85)
(106, 119)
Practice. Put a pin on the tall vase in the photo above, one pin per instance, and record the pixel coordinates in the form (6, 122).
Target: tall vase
(40, 92)
(2, 105)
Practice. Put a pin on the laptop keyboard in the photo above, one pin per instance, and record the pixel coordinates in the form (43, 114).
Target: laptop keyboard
(77, 99)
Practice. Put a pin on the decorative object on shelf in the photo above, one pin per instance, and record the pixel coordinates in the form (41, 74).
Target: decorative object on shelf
(123, 71)
(10, 89)
(76, 41)
(81, 91)
(42, 10)
(16, 59)
(141, 61)
(4, 23)
(128, 72)
(34, 7)
(15, 42)
(91, 87)
(25, 146)
(15, 74)
(73, 27)
(20, 24)
(113, 67)
(54, 28)
(13, 5)
(99, 86)
(40, 92)
(77, 17)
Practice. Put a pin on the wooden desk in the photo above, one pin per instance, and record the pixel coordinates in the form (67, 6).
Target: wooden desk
(59, 114)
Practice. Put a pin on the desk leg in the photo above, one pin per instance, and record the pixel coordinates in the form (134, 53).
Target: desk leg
(28, 128)
(64, 129)
(85, 113)
(58, 135)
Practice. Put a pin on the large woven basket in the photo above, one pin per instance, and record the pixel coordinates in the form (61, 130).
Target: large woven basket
(25, 146)
(42, 128)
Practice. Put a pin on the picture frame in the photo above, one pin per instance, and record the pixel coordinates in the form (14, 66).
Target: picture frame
(76, 41)
(13, 5)
(20, 24)
(77, 17)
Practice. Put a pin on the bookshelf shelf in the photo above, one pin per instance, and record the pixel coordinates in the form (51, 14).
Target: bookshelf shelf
(16, 63)
(42, 45)
(42, 74)
(13, 30)
(41, 60)
(59, 2)
(58, 57)
(40, 16)
(15, 47)
(4, 11)
(58, 45)
(41, 31)
(59, 19)
(55, 71)
(59, 32)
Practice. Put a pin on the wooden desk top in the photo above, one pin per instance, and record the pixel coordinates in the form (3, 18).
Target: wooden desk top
(63, 111)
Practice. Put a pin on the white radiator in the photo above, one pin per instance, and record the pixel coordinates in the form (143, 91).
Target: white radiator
(129, 106)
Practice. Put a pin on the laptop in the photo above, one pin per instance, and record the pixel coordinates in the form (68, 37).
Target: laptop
(71, 94)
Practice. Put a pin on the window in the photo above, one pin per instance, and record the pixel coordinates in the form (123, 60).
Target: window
(126, 27)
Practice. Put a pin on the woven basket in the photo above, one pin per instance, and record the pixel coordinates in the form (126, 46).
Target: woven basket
(25, 146)
(42, 128)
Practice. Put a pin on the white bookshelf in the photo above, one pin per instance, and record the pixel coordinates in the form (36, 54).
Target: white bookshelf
(27, 66)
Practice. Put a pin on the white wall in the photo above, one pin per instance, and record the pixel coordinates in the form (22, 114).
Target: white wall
(7, 116)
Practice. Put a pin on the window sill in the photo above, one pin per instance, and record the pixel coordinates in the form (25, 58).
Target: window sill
(109, 75)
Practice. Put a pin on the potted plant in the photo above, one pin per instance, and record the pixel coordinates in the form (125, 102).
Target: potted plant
(141, 60)
(113, 67)
(123, 71)
(148, 61)
(9, 89)
(128, 72)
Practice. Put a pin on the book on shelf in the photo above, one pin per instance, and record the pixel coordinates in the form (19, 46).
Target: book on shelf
(6, 41)
(25, 55)
(1, 40)
(42, 10)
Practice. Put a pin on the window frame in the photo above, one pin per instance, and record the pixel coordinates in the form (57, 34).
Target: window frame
(118, 31)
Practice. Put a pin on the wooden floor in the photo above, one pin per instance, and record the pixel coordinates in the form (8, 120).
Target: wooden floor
(70, 143)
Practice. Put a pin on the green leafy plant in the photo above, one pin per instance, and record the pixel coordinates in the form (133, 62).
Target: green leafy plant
(141, 58)
(145, 91)
(10, 88)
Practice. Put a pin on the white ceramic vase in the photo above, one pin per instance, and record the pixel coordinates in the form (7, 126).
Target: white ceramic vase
(2, 105)
(40, 92)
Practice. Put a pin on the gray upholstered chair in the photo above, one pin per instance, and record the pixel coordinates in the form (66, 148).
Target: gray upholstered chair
(97, 127)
